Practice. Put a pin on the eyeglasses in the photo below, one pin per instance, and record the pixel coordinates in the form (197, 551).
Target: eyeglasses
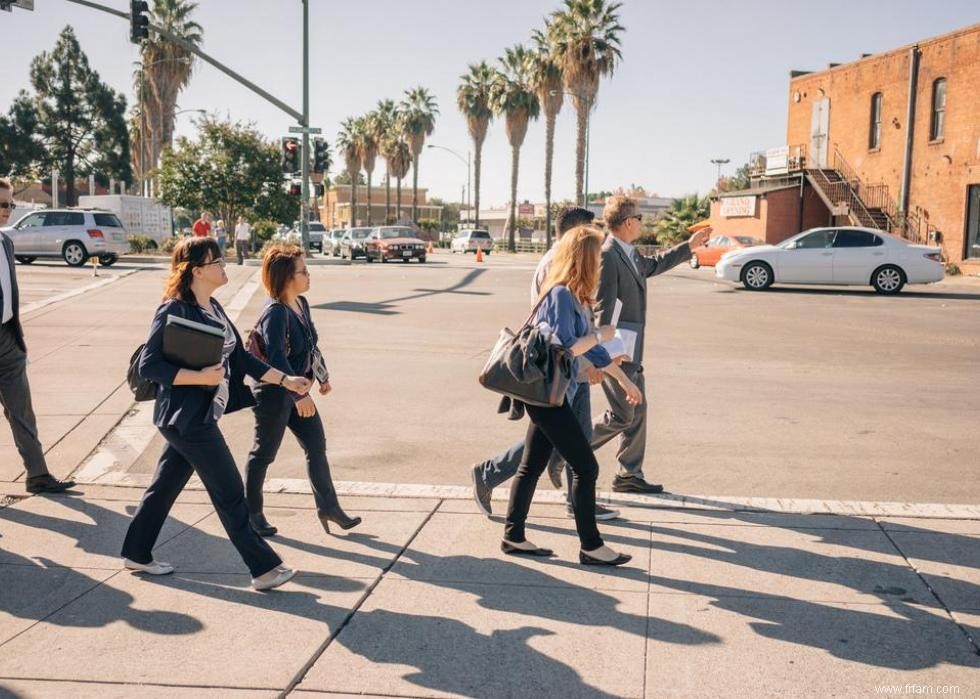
(638, 217)
(7, 205)
(219, 261)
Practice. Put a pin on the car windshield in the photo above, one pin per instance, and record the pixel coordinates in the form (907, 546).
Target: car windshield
(397, 233)
(318, 227)
(789, 241)
(360, 232)
(746, 240)
(338, 234)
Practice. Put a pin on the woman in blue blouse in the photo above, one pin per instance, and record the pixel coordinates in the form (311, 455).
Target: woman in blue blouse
(188, 405)
(287, 334)
(570, 286)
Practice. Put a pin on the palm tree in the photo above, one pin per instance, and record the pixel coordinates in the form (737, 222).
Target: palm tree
(349, 142)
(546, 80)
(473, 102)
(419, 112)
(513, 98)
(168, 67)
(399, 158)
(585, 40)
(372, 131)
(684, 211)
(386, 117)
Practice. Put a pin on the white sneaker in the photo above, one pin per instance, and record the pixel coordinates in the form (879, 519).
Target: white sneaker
(151, 568)
(283, 575)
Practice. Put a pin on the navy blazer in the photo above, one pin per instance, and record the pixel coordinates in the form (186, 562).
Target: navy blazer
(15, 326)
(185, 407)
(277, 322)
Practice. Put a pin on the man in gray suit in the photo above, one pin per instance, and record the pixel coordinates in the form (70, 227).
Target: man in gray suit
(15, 392)
(622, 301)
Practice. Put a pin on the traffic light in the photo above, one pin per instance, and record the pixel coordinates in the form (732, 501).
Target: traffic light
(290, 155)
(321, 156)
(138, 21)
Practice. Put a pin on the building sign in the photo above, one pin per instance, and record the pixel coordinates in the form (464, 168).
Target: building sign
(525, 209)
(737, 206)
(777, 161)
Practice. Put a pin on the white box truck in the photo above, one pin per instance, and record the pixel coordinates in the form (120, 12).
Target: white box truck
(140, 215)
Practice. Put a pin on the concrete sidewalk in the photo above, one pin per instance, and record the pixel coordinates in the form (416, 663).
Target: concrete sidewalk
(419, 601)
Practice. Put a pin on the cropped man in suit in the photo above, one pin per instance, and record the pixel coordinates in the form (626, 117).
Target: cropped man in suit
(15, 391)
(624, 279)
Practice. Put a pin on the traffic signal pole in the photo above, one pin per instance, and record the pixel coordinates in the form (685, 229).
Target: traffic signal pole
(304, 208)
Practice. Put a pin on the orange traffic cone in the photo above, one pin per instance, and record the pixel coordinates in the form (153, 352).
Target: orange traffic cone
(479, 254)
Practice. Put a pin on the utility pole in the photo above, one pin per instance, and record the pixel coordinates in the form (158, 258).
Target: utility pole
(304, 210)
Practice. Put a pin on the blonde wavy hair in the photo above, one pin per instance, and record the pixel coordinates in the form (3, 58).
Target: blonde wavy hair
(576, 263)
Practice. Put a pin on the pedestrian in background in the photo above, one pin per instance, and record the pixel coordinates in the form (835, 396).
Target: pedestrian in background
(243, 235)
(188, 405)
(566, 293)
(15, 391)
(286, 332)
(222, 236)
(202, 226)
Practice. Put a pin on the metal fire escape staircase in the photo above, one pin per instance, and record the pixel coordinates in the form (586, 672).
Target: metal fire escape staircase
(844, 194)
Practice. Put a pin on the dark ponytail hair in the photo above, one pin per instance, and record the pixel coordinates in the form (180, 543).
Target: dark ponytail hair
(188, 254)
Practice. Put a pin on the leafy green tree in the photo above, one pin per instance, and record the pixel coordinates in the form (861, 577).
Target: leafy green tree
(344, 178)
(450, 213)
(513, 98)
(19, 151)
(585, 39)
(684, 211)
(229, 170)
(79, 122)
(740, 180)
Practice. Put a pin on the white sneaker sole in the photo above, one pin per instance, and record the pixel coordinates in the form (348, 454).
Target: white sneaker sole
(281, 579)
(154, 568)
(598, 518)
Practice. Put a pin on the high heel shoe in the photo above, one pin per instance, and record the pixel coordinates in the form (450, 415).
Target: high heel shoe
(587, 560)
(261, 525)
(338, 517)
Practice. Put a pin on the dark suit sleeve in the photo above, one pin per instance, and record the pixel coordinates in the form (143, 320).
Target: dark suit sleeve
(668, 259)
(608, 287)
(153, 365)
(273, 329)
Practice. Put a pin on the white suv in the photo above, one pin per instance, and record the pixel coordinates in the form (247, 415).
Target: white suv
(471, 241)
(75, 235)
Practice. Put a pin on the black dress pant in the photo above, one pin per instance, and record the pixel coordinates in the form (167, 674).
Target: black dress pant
(275, 410)
(555, 428)
(205, 452)
(15, 397)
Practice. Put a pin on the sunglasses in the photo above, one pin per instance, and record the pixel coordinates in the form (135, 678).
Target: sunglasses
(638, 217)
(219, 261)
(7, 205)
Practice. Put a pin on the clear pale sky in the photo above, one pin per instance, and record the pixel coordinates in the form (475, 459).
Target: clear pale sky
(699, 79)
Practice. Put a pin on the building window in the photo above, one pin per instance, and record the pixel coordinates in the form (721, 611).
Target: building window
(938, 109)
(874, 135)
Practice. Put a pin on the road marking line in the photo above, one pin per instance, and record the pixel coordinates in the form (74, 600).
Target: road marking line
(802, 506)
(65, 295)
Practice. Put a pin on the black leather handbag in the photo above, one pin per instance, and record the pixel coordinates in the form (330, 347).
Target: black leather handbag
(143, 389)
(527, 366)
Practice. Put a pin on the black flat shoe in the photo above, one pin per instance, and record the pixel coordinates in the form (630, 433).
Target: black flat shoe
(635, 484)
(512, 550)
(261, 525)
(47, 484)
(338, 517)
(587, 560)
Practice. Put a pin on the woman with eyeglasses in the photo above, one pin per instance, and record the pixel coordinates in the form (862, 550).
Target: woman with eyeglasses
(286, 337)
(188, 405)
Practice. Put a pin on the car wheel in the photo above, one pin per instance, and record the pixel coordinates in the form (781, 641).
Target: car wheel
(422, 260)
(74, 253)
(24, 260)
(757, 276)
(694, 262)
(486, 252)
(108, 260)
(888, 280)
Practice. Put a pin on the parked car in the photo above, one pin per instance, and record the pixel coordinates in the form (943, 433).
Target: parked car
(839, 255)
(331, 243)
(394, 243)
(74, 235)
(707, 255)
(471, 241)
(352, 244)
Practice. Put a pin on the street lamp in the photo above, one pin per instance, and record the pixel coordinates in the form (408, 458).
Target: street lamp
(464, 160)
(719, 162)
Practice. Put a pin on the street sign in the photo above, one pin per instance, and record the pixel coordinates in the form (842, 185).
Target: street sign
(22, 4)
(308, 129)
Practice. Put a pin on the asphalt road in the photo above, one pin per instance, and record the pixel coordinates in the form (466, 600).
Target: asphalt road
(795, 392)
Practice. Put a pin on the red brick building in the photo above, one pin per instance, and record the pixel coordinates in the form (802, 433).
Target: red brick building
(890, 141)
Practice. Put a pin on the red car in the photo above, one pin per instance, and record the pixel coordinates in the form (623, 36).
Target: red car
(707, 255)
(388, 243)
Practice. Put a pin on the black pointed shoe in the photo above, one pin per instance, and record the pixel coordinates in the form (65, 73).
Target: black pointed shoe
(338, 517)
(587, 560)
(261, 525)
(512, 550)
(47, 484)
(635, 484)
